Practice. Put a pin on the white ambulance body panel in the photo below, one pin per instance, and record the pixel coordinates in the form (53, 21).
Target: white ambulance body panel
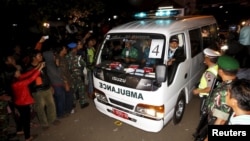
(137, 95)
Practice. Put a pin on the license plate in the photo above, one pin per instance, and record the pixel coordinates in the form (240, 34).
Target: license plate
(120, 113)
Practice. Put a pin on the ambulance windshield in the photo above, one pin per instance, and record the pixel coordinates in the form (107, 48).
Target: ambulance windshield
(132, 53)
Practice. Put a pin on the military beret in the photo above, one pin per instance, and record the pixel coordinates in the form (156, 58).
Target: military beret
(72, 45)
(211, 53)
(228, 63)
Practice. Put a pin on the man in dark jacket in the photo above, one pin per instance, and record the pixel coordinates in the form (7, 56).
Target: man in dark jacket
(57, 82)
(175, 53)
(43, 94)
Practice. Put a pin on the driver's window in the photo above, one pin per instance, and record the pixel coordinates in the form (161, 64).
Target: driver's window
(176, 54)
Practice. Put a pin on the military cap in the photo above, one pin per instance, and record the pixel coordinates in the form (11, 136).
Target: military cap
(228, 63)
(211, 53)
(72, 45)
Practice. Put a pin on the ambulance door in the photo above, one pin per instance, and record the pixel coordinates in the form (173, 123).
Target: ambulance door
(197, 60)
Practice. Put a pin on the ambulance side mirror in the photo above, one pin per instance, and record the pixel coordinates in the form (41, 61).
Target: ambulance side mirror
(161, 73)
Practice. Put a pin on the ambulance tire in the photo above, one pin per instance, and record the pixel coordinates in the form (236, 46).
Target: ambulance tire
(179, 108)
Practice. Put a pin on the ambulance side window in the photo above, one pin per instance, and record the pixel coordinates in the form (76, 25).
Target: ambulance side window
(195, 41)
(209, 34)
(205, 33)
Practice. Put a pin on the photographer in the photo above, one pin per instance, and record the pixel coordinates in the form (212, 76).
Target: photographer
(22, 96)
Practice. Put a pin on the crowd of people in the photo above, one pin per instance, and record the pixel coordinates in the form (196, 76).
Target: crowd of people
(225, 86)
(49, 81)
(46, 82)
(238, 42)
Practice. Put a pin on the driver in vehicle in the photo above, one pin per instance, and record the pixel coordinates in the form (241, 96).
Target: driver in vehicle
(175, 53)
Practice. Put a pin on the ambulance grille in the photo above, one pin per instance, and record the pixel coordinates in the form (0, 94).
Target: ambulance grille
(131, 107)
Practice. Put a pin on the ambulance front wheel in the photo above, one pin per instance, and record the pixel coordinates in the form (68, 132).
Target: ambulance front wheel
(179, 108)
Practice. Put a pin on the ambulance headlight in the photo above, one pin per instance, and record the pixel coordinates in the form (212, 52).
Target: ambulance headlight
(150, 110)
(101, 97)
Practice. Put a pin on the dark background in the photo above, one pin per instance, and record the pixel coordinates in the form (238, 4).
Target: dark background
(20, 15)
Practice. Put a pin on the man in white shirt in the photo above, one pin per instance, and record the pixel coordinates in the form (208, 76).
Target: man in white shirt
(238, 98)
(244, 40)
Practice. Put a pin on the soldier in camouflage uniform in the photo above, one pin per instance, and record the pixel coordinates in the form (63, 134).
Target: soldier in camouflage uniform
(228, 68)
(76, 65)
(4, 121)
(216, 104)
(216, 111)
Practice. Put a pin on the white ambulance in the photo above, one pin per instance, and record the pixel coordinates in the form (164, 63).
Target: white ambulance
(149, 95)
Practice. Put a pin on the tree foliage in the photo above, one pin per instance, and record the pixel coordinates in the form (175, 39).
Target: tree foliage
(41, 10)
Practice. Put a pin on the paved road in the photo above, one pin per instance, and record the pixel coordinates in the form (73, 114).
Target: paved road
(90, 125)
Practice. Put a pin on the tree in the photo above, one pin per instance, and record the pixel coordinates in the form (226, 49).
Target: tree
(41, 10)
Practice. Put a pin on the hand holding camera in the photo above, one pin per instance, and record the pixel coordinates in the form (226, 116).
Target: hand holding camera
(40, 66)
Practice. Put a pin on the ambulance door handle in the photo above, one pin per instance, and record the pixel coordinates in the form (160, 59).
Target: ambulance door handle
(185, 75)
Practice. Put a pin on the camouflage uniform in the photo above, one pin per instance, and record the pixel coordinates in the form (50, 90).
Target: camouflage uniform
(76, 65)
(216, 103)
(3, 120)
